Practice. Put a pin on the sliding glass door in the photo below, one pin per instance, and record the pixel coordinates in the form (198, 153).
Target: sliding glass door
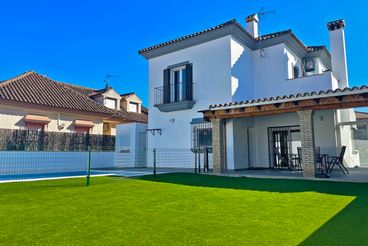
(286, 140)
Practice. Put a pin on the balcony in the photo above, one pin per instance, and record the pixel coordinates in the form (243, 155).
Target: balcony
(174, 97)
(317, 82)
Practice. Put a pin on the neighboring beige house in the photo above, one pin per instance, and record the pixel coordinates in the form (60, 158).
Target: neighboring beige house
(36, 102)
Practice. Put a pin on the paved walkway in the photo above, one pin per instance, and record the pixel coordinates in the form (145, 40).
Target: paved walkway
(356, 175)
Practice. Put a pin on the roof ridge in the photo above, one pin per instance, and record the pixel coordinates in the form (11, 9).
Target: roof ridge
(127, 94)
(78, 86)
(25, 74)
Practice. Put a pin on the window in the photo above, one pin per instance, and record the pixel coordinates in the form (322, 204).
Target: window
(295, 71)
(35, 126)
(110, 103)
(178, 84)
(309, 65)
(133, 107)
(82, 130)
(201, 135)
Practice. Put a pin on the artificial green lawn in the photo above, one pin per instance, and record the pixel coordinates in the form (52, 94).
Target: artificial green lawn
(184, 209)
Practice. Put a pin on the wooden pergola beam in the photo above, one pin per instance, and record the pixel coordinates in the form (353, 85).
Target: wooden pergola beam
(323, 103)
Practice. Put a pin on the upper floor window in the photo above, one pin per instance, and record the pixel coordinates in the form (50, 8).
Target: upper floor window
(295, 71)
(178, 84)
(110, 103)
(176, 93)
(309, 65)
(133, 107)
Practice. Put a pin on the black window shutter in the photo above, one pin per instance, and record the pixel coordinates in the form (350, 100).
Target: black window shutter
(166, 88)
(189, 81)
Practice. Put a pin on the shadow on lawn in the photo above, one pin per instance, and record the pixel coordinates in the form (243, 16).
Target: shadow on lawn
(348, 227)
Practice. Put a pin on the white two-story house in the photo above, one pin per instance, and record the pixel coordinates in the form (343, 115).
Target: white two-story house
(233, 69)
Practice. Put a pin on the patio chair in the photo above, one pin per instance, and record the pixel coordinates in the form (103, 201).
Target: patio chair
(283, 161)
(298, 159)
(338, 160)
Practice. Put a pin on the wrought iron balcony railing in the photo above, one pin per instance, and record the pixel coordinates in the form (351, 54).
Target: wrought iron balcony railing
(173, 93)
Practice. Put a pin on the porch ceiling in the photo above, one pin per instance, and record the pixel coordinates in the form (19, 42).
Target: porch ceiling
(331, 99)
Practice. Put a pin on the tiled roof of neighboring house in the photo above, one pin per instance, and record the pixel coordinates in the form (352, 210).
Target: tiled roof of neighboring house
(144, 110)
(33, 88)
(293, 97)
(135, 117)
(361, 115)
(127, 94)
(243, 30)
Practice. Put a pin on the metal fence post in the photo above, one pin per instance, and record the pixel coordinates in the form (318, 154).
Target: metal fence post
(206, 165)
(195, 161)
(89, 167)
(199, 161)
(154, 162)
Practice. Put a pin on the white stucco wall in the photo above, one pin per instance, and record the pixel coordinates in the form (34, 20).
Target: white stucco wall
(131, 146)
(212, 84)
(338, 56)
(272, 74)
(242, 87)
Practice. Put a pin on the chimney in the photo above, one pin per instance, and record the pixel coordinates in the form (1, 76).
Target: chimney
(252, 25)
(338, 52)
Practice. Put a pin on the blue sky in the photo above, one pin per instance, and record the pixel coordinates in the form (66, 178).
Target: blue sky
(81, 41)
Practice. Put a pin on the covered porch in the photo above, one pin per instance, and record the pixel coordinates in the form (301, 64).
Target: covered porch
(247, 134)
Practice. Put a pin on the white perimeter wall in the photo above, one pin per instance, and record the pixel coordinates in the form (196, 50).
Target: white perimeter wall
(21, 162)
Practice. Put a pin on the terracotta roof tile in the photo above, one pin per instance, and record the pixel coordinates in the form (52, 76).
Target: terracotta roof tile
(188, 36)
(34, 88)
(228, 23)
(292, 97)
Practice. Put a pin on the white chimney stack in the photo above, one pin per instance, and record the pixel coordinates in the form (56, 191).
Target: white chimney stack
(338, 52)
(252, 25)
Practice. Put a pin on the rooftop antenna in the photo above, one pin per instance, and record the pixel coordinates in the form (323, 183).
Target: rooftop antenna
(108, 78)
(261, 14)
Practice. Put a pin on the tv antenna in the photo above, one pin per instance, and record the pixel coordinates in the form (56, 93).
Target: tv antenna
(108, 78)
(261, 14)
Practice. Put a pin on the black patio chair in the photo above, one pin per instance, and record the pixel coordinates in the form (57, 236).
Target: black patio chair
(297, 158)
(283, 161)
(332, 161)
